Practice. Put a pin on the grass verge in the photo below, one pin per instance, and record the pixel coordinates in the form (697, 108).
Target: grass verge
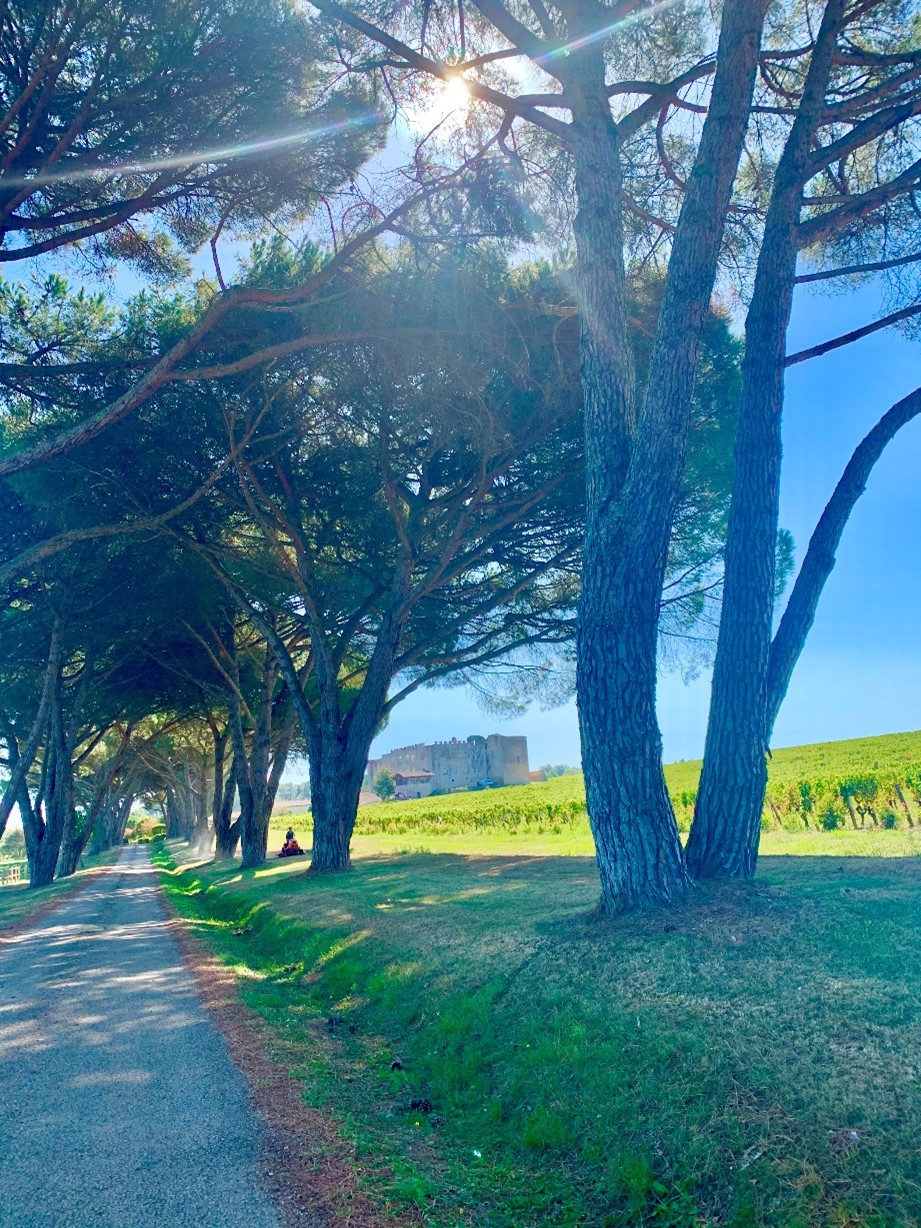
(497, 1056)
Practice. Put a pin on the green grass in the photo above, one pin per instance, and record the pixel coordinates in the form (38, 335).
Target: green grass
(750, 1059)
(17, 901)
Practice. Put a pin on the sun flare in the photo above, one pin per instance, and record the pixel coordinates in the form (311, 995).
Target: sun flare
(454, 94)
(445, 103)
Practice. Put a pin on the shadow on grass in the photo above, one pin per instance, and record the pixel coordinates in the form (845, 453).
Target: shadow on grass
(745, 1058)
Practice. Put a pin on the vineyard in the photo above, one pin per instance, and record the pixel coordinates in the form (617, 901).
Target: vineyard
(866, 782)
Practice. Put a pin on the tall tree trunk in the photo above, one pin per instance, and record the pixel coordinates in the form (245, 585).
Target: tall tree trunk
(254, 837)
(222, 792)
(187, 800)
(254, 828)
(338, 744)
(76, 836)
(259, 769)
(23, 758)
(727, 819)
(226, 830)
(115, 834)
(181, 802)
(631, 843)
(336, 772)
(201, 834)
(173, 811)
(43, 842)
(254, 825)
(631, 507)
(819, 562)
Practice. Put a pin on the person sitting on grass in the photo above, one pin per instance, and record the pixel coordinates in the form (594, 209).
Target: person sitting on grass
(291, 848)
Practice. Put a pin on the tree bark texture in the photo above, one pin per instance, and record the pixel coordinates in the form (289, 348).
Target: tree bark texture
(634, 474)
(177, 823)
(45, 831)
(74, 841)
(727, 822)
(639, 858)
(226, 829)
(181, 802)
(259, 767)
(336, 773)
(338, 741)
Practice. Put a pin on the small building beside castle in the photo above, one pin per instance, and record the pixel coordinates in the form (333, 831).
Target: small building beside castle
(440, 767)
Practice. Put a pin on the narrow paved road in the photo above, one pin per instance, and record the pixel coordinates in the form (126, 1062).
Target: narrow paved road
(119, 1104)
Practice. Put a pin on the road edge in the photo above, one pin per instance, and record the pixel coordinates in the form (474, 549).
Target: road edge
(304, 1168)
(31, 919)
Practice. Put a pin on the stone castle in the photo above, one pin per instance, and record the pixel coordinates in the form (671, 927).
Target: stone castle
(444, 766)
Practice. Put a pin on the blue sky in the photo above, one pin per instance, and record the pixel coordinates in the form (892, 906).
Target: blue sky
(861, 671)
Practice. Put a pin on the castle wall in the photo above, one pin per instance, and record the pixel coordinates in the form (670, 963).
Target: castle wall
(508, 759)
(460, 765)
(416, 758)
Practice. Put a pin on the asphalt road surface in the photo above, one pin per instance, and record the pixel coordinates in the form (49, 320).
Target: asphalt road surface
(119, 1104)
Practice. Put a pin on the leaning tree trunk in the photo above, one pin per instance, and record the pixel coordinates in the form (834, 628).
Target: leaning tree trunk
(724, 836)
(77, 834)
(113, 817)
(21, 759)
(226, 832)
(819, 562)
(32, 821)
(43, 849)
(254, 822)
(180, 803)
(115, 832)
(251, 770)
(630, 511)
(75, 839)
(188, 801)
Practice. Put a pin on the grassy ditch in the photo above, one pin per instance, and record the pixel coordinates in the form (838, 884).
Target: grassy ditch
(500, 1057)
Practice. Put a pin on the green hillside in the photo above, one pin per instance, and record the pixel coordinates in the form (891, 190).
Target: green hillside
(862, 782)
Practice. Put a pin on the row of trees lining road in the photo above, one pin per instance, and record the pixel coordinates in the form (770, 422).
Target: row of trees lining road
(258, 510)
(413, 502)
